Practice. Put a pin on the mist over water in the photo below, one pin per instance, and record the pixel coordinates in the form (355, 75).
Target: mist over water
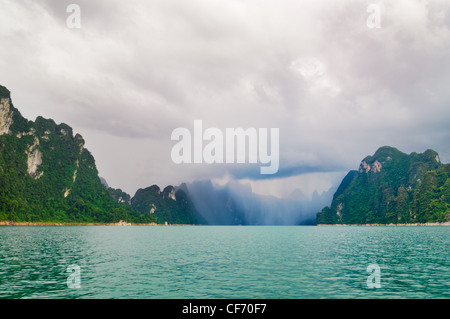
(236, 204)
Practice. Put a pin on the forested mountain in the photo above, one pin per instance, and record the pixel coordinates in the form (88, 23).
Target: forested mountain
(170, 205)
(392, 187)
(47, 175)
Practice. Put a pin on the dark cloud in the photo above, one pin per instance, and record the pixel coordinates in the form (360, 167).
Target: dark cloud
(136, 70)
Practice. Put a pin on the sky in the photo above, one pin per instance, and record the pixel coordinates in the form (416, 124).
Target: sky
(335, 86)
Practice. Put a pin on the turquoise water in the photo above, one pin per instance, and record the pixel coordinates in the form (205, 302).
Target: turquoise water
(224, 262)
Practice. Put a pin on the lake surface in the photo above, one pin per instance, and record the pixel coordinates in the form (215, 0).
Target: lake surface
(270, 262)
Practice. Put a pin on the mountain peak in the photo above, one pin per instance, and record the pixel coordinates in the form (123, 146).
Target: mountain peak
(383, 190)
(4, 92)
(384, 153)
(46, 176)
(169, 192)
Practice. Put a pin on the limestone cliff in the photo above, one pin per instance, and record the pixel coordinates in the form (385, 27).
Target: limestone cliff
(388, 187)
(170, 205)
(5, 115)
(46, 173)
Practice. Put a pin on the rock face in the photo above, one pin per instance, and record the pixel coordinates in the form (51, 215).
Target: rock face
(46, 174)
(34, 159)
(169, 205)
(5, 115)
(169, 192)
(386, 189)
(34, 154)
(374, 167)
(122, 223)
(119, 195)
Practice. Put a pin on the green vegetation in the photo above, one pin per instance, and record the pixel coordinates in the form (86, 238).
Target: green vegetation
(392, 187)
(4, 92)
(432, 198)
(173, 207)
(47, 176)
(119, 195)
(63, 186)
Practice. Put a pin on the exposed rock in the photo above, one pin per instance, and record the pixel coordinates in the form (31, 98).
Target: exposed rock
(6, 116)
(169, 205)
(155, 188)
(67, 192)
(80, 141)
(122, 223)
(338, 211)
(375, 167)
(169, 192)
(26, 155)
(364, 167)
(39, 175)
(34, 159)
(119, 195)
(31, 132)
(402, 192)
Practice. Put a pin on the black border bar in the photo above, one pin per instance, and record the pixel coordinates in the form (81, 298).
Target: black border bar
(225, 308)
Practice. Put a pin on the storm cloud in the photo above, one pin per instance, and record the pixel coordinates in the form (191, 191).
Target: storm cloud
(136, 70)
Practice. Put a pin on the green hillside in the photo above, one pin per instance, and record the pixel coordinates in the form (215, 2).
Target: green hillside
(46, 174)
(392, 187)
(170, 205)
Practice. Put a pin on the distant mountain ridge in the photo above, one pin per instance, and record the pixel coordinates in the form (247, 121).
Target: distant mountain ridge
(236, 204)
(392, 187)
(170, 205)
(47, 175)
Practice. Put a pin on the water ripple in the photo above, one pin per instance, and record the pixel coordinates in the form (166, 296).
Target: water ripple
(224, 262)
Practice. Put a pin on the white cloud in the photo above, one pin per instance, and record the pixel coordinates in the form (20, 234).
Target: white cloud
(136, 70)
(315, 75)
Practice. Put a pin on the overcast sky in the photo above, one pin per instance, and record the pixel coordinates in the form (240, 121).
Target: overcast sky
(136, 70)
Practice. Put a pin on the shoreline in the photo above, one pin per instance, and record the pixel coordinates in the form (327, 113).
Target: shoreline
(121, 223)
(395, 225)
